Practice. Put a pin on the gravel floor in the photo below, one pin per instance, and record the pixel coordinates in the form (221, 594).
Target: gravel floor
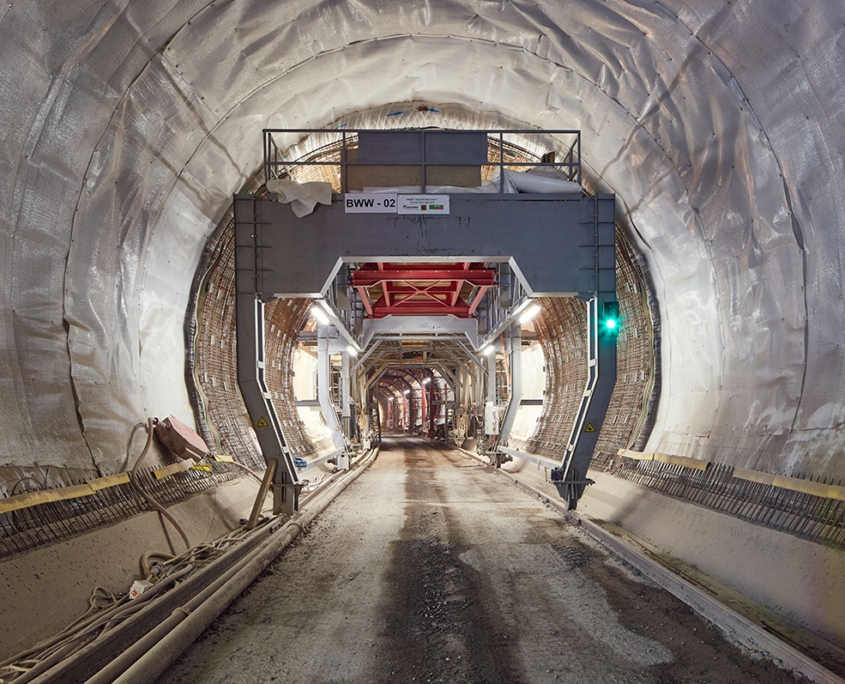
(430, 569)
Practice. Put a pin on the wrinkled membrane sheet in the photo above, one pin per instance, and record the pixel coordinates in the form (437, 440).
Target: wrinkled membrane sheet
(127, 126)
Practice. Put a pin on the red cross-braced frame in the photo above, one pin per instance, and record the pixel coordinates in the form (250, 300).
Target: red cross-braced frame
(389, 289)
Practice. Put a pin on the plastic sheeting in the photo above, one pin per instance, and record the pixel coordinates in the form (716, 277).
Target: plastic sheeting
(721, 126)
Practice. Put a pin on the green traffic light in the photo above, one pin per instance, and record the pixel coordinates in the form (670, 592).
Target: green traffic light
(610, 324)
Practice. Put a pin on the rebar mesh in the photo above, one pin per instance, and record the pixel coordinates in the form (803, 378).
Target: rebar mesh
(55, 521)
(513, 154)
(812, 517)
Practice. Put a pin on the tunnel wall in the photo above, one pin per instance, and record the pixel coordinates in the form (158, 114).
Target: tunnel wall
(127, 126)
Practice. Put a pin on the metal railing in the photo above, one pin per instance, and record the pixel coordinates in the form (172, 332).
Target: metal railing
(277, 166)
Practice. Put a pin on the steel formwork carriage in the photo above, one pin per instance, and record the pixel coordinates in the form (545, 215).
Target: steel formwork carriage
(504, 247)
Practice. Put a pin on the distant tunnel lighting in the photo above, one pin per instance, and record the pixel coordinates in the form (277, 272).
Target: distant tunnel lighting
(352, 351)
(530, 313)
(320, 315)
(487, 349)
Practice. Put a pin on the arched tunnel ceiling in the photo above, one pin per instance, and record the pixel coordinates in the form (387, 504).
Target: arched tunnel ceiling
(127, 127)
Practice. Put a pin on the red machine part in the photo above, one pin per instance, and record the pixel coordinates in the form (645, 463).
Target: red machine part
(181, 439)
(422, 289)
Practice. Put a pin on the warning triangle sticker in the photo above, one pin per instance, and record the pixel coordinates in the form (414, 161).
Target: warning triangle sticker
(589, 428)
(262, 422)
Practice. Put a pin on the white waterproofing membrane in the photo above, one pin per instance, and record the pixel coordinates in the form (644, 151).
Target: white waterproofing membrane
(127, 126)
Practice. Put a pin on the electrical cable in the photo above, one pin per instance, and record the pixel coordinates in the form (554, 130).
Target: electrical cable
(133, 478)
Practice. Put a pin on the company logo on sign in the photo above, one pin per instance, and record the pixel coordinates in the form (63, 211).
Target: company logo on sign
(418, 204)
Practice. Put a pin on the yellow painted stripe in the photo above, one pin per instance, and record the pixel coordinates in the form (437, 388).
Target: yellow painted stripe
(636, 455)
(794, 484)
(684, 461)
(754, 476)
(14, 503)
(224, 458)
(202, 466)
(109, 481)
(172, 469)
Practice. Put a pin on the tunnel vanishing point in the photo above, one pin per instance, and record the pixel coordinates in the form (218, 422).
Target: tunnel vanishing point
(596, 247)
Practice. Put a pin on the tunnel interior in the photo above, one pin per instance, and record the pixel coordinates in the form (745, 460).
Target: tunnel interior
(130, 127)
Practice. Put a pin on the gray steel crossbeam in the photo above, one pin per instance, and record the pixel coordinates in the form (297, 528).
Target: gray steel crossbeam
(549, 240)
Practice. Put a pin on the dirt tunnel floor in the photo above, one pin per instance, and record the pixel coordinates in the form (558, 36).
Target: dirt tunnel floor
(429, 568)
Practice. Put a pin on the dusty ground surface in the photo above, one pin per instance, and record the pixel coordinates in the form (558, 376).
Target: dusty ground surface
(430, 569)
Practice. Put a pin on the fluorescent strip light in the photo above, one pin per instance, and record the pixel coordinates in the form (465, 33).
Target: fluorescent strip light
(530, 313)
(319, 314)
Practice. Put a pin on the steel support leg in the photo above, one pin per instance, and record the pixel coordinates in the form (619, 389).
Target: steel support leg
(571, 478)
(514, 352)
(268, 430)
(323, 387)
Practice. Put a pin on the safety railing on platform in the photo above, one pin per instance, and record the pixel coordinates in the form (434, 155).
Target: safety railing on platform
(507, 149)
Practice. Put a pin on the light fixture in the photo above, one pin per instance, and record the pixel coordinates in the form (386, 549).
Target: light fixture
(426, 381)
(487, 349)
(407, 391)
(319, 315)
(610, 313)
(352, 351)
(390, 398)
(530, 313)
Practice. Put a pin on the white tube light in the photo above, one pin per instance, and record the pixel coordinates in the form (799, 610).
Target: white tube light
(530, 313)
(426, 381)
(319, 314)
(407, 391)
(487, 349)
(352, 351)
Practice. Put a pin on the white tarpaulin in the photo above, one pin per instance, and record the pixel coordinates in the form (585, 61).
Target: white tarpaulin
(720, 125)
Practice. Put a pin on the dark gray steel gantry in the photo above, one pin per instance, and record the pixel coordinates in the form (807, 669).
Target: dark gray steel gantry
(557, 245)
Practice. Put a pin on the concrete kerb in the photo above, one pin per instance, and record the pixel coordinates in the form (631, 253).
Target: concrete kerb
(735, 627)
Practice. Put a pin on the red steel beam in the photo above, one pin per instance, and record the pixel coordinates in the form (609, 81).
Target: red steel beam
(477, 299)
(362, 291)
(474, 277)
(380, 310)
